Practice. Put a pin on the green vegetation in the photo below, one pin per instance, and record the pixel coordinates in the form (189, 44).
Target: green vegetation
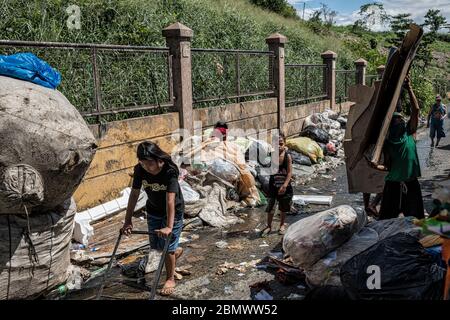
(134, 79)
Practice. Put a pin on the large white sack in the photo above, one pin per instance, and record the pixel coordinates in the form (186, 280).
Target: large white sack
(46, 147)
(326, 271)
(31, 263)
(311, 238)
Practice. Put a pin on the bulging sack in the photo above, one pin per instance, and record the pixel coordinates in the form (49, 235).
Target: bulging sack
(306, 146)
(46, 147)
(35, 258)
(310, 239)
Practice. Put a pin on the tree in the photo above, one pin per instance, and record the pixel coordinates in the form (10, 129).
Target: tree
(371, 14)
(434, 21)
(400, 25)
(323, 16)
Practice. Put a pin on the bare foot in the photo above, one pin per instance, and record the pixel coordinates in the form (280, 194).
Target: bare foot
(282, 229)
(168, 289)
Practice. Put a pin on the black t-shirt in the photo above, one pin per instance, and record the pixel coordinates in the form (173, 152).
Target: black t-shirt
(157, 187)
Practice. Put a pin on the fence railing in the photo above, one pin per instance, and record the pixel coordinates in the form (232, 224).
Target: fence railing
(226, 75)
(105, 81)
(344, 79)
(305, 82)
(114, 82)
(370, 79)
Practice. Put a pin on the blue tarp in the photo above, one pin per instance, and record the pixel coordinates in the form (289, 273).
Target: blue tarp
(28, 67)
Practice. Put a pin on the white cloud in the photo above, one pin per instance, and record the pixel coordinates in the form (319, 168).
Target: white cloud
(416, 8)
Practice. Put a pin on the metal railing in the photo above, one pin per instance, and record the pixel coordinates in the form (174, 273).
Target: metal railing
(228, 75)
(103, 81)
(370, 79)
(305, 82)
(344, 79)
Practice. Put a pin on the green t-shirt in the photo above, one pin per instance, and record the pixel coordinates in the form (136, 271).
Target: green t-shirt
(403, 158)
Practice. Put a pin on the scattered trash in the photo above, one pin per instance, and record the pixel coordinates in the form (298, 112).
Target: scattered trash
(189, 194)
(236, 246)
(228, 290)
(241, 267)
(264, 244)
(295, 296)
(241, 274)
(78, 246)
(221, 244)
(194, 259)
(310, 199)
(263, 295)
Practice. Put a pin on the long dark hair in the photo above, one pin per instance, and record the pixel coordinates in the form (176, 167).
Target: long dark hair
(150, 150)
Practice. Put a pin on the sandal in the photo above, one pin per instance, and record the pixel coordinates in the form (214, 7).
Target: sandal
(167, 290)
(282, 229)
(265, 232)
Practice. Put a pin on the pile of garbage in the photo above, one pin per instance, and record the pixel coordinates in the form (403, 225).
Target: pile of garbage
(216, 180)
(319, 145)
(340, 248)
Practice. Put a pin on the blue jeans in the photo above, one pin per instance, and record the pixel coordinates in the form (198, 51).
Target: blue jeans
(156, 223)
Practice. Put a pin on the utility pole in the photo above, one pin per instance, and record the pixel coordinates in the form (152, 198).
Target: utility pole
(304, 5)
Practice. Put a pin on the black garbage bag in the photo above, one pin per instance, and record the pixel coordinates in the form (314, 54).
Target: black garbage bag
(300, 158)
(343, 122)
(264, 181)
(406, 272)
(317, 134)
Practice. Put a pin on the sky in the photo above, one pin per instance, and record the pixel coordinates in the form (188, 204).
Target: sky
(348, 9)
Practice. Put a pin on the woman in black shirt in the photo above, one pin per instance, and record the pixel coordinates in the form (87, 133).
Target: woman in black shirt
(158, 175)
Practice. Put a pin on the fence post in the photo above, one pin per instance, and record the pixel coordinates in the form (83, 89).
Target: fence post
(178, 39)
(380, 71)
(360, 66)
(276, 43)
(329, 59)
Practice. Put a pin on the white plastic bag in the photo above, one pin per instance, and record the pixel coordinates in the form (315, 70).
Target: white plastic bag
(310, 239)
(224, 170)
(189, 194)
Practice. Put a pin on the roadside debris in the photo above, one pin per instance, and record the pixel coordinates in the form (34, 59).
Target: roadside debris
(311, 238)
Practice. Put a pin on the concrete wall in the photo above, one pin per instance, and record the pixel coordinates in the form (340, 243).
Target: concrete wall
(111, 169)
(258, 115)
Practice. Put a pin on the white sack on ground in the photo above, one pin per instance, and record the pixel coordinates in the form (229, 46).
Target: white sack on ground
(311, 238)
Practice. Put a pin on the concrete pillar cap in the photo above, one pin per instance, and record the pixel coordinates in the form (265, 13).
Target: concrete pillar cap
(177, 30)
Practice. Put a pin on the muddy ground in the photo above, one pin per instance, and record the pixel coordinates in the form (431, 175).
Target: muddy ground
(205, 257)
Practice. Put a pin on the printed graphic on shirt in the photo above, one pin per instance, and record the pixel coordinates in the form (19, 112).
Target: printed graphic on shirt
(153, 186)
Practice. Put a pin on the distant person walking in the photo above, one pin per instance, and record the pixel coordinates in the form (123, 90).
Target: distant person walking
(435, 120)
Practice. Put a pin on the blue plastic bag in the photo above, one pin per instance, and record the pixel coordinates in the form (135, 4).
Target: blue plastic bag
(28, 67)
